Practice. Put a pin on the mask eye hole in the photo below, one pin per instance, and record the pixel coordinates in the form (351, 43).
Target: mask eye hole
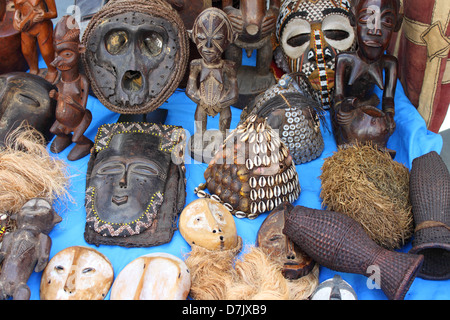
(88, 270)
(116, 42)
(27, 100)
(336, 35)
(111, 169)
(299, 40)
(152, 44)
(275, 237)
(59, 269)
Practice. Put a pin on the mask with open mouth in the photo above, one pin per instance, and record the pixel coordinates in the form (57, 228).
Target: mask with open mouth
(136, 54)
(134, 189)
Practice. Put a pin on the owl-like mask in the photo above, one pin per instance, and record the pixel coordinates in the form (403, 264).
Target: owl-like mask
(136, 54)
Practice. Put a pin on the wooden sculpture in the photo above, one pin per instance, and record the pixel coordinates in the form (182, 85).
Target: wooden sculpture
(33, 19)
(72, 94)
(356, 116)
(27, 248)
(212, 81)
(255, 23)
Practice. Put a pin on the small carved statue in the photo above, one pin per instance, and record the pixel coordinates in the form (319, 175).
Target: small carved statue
(72, 94)
(212, 81)
(356, 116)
(188, 11)
(27, 248)
(33, 19)
(255, 23)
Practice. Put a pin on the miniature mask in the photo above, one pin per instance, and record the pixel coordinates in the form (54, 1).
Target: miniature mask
(356, 116)
(310, 34)
(27, 248)
(72, 95)
(278, 247)
(25, 97)
(253, 172)
(136, 54)
(156, 276)
(134, 189)
(209, 224)
(77, 273)
(33, 19)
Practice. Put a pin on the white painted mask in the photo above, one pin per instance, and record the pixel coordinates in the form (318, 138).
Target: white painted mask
(156, 276)
(208, 224)
(77, 273)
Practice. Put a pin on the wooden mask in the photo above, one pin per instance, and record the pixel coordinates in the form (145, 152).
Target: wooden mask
(25, 97)
(155, 276)
(77, 273)
(136, 54)
(208, 224)
(127, 180)
(311, 34)
(295, 263)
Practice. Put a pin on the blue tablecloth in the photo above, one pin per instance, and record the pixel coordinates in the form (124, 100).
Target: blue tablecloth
(411, 139)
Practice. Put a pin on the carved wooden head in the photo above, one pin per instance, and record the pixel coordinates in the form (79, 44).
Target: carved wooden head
(212, 33)
(375, 20)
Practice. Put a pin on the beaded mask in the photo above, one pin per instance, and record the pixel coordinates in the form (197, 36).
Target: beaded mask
(134, 189)
(290, 110)
(311, 33)
(253, 172)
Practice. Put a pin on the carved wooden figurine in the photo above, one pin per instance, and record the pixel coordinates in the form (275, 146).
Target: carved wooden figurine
(254, 22)
(33, 19)
(356, 116)
(72, 94)
(212, 81)
(27, 248)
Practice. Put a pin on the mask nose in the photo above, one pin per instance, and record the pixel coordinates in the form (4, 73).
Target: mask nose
(123, 181)
(70, 283)
(132, 81)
